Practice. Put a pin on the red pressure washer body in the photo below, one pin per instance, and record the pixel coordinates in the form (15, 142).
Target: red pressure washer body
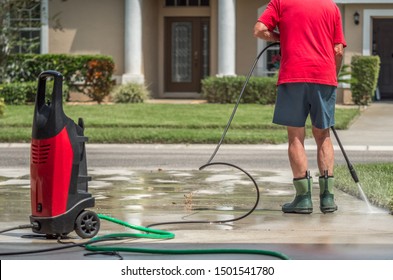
(58, 168)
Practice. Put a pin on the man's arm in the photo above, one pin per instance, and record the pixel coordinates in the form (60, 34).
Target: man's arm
(262, 32)
(338, 56)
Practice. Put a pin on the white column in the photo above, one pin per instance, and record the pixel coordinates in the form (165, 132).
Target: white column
(226, 37)
(44, 27)
(133, 42)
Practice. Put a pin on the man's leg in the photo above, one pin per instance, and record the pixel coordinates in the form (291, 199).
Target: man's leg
(302, 181)
(325, 155)
(296, 153)
(325, 151)
(292, 109)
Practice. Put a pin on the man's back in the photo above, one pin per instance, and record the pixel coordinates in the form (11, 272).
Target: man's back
(309, 29)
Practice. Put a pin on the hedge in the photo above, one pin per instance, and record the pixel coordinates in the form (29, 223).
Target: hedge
(90, 74)
(260, 90)
(24, 92)
(18, 93)
(365, 71)
(2, 106)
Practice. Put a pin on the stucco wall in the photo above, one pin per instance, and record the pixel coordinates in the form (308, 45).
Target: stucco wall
(246, 44)
(94, 27)
(354, 33)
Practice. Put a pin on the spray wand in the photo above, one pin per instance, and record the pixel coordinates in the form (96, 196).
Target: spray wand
(350, 166)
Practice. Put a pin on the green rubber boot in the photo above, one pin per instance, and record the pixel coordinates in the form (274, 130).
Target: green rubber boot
(302, 203)
(326, 194)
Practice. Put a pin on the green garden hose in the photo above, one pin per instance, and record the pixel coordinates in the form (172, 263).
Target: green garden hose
(160, 234)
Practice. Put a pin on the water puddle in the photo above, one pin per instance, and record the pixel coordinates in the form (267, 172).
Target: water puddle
(150, 197)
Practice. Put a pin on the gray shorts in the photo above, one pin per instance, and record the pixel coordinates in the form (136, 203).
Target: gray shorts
(295, 101)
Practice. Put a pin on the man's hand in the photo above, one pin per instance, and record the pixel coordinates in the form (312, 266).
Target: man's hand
(338, 55)
(262, 32)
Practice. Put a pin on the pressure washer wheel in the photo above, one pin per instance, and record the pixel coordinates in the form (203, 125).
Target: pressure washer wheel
(87, 224)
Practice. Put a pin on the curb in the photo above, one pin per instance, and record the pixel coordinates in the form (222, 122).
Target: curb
(279, 147)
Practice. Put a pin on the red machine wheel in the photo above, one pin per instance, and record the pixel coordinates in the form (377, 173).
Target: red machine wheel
(87, 224)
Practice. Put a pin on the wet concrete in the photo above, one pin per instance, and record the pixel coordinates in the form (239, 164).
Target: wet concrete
(148, 197)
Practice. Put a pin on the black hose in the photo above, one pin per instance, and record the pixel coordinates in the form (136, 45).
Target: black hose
(33, 225)
(238, 101)
(219, 221)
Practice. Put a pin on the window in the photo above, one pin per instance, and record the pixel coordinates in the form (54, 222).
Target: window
(181, 52)
(273, 59)
(26, 23)
(186, 3)
(269, 63)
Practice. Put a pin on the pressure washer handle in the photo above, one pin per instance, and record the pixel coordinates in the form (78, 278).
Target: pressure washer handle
(49, 119)
(353, 173)
(350, 166)
(57, 94)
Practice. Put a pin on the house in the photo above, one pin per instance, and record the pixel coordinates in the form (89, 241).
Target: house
(367, 27)
(172, 44)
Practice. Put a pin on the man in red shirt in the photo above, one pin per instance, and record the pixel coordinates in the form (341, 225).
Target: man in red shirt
(312, 42)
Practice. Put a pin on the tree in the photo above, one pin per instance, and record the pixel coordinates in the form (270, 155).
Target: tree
(20, 24)
(14, 15)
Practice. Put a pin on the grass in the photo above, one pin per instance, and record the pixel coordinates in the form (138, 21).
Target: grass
(376, 181)
(164, 123)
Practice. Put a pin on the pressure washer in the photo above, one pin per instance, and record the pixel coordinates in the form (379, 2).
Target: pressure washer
(58, 168)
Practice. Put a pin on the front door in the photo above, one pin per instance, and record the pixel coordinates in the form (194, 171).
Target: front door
(187, 56)
(383, 46)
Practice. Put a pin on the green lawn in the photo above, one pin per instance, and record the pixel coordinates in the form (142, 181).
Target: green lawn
(163, 123)
(375, 179)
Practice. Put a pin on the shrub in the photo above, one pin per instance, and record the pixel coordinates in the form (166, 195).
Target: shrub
(365, 71)
(24, 92)
(130, 93)
(16, 93)
(345, 75)
(98, 79)
(90, 74)
(2, 106)
(261, 90)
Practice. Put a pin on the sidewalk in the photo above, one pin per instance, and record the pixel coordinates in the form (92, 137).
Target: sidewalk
(373, 130)
(141, 198)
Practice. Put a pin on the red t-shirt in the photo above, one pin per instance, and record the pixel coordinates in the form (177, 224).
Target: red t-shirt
(309, 29)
